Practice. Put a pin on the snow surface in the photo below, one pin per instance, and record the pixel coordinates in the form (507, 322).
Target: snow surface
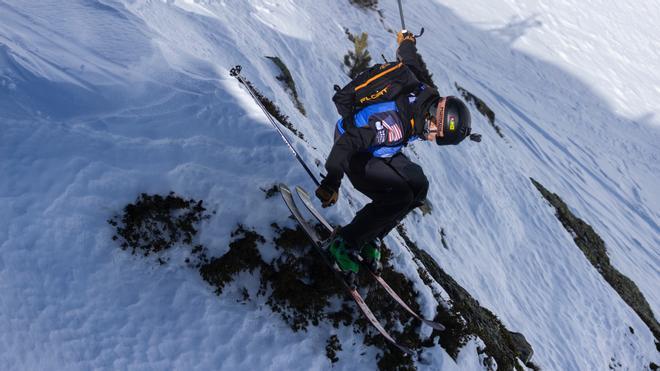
(102, 100)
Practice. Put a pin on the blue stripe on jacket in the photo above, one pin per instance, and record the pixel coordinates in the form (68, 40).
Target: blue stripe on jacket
(362, 119)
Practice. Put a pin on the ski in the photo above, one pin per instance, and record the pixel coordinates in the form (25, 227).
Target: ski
(317, 243)
(307, 201)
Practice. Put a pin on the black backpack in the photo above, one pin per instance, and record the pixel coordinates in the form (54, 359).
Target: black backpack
(377, 84)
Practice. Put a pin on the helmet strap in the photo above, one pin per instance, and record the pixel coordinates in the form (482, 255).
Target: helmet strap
(428, 130)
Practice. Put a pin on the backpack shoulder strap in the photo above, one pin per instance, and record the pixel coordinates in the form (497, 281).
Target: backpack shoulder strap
(412, 114)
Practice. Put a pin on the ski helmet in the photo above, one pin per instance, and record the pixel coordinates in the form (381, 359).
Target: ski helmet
(453, 120)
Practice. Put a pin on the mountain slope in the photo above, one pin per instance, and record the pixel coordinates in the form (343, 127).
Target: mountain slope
(102, 100)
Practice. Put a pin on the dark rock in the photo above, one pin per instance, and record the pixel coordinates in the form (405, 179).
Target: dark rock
(467, 317)
(287, 79)
(155, 223)
(274, 111)
(270, 192)
(482, 107)
(332, 347)
(593, 248)
(367, 4)
(523, 348)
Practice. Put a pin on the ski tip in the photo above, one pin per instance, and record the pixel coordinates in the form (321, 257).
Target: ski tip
(435, 325)
(283, 188)
(302, 192)
(405, 350)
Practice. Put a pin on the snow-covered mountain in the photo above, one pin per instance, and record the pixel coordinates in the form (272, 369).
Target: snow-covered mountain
(101, 100)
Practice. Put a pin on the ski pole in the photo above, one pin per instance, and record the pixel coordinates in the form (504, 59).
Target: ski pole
(403, 23)
(236, 72)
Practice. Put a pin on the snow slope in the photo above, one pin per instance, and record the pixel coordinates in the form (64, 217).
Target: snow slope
(102, 100)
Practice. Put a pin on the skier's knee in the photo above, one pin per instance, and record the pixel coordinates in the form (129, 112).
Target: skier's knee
(419, 184)
(419, 189)
(407, 197)
(422, 190)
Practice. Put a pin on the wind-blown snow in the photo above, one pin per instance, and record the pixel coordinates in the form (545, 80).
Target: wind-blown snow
(103, 100)
(605, 43)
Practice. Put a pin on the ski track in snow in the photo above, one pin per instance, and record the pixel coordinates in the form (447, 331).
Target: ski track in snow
(103, 100)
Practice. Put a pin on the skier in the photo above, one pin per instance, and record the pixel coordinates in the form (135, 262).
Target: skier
(367, 149)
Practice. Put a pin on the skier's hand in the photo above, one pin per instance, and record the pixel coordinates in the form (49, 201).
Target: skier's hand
(327, 193)
(405, 35)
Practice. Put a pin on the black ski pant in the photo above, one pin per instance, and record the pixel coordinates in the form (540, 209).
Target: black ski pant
(395, 186)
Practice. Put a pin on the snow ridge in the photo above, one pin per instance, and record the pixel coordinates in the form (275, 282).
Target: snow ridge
(102, 100)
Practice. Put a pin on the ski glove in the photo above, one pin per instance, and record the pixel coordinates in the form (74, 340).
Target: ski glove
(327, 193)
(405, 35)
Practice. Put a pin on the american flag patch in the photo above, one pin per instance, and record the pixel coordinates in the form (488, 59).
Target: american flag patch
(394, 132)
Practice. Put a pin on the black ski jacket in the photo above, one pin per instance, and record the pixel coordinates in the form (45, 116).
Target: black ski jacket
(355, 139)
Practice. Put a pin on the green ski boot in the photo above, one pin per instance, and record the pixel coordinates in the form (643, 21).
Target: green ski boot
(344, 258)
(370, 254)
